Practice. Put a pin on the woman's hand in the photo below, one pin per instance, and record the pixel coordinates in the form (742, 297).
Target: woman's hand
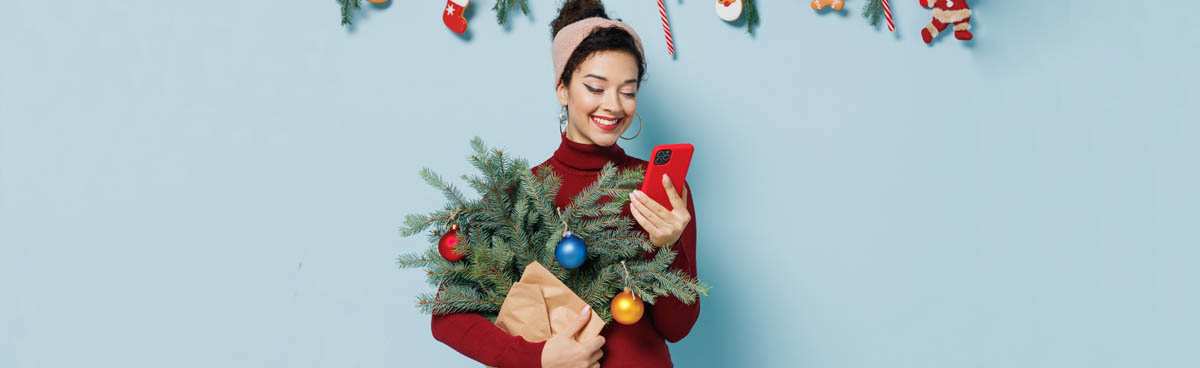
(664, 226)
(562, 351)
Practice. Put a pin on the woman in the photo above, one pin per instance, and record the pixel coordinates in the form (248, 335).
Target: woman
(598, 68)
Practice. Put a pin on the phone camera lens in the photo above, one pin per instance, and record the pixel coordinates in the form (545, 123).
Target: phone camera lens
(662, 157)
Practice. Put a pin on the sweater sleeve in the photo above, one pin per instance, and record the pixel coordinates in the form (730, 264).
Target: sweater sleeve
(672, 317)
(477, 338)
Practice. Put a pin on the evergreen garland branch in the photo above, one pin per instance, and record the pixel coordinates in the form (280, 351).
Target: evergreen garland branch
(417, 260)
(453, 299)
(751, 10)
(501, 7)
(348, 8)
(873, 10)
(630, 178)
(591, 194)
(673, 281)
(414, 224)
(448, 190)
(614, 206)
(607, 221)
(542, 201)
(490, 163)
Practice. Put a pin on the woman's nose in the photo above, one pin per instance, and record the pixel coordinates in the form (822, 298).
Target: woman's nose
(611, 103)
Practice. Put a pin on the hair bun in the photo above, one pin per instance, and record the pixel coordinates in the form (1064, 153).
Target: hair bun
(575, 10)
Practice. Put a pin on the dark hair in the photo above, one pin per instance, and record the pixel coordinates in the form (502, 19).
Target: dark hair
(602, 39)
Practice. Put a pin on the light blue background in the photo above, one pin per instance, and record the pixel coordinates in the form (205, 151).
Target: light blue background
(219, 183)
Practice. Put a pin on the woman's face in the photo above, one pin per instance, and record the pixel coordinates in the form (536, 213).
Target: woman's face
(601, 98)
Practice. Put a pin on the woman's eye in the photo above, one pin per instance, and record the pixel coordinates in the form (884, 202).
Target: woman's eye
(593, 90)
(630, 94)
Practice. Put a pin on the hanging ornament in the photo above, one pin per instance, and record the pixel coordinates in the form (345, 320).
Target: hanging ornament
(877, 8)
(821, 4)
(729, 10)
(945, 13)
(571, 251)
(447, 243)
(627, 309)
(662, 13)
(452, 15)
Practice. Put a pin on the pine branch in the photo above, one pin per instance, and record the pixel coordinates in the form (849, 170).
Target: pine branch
(348, 8)
(588, 197)
(417, 260)
(448, 190)
(457, 299)
(873, 10)
(540, 195)
(502, 7)
(414, 224)
(751, 10)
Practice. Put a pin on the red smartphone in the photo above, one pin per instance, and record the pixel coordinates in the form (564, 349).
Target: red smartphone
(670, 159)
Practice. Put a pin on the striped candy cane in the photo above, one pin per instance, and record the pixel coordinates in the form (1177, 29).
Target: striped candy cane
(887, 13)
(662, 12)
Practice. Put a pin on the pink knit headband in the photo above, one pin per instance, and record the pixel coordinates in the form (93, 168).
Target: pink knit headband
(569, 37)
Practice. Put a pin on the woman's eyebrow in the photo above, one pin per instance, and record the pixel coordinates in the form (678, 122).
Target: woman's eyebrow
(606, 79)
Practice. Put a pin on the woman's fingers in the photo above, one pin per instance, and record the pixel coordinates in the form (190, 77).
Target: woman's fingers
(596, 355)
(676, 200)
(653, 209)
(580, 322)
(594, 344)
(640, 206)
(642, 220)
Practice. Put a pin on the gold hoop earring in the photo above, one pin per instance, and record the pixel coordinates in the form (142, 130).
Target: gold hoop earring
(562, 120)
(639, 132)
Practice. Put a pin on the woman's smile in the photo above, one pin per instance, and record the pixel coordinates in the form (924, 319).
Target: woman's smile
(604, 122)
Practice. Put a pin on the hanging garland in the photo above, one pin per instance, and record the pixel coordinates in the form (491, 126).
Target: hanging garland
(501, 8)
(955, 14)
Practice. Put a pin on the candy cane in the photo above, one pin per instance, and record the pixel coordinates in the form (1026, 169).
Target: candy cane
(662, 12)
(887, 13)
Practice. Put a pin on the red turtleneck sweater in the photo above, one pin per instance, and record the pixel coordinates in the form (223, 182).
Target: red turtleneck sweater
(643, 344)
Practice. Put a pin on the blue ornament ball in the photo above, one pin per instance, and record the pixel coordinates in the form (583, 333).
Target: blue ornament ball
(571, 251)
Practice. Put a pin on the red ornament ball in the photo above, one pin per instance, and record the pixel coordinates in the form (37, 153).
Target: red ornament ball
(447, 243)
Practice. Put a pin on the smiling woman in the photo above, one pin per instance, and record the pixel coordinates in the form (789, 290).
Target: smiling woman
(602, 100)
(598, 68)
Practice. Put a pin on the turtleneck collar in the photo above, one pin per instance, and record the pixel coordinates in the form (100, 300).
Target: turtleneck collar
(587, 157)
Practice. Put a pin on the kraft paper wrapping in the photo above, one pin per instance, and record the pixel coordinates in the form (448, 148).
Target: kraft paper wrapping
(540, 306)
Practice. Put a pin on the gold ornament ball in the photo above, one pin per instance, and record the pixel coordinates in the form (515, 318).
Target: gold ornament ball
(627, 309)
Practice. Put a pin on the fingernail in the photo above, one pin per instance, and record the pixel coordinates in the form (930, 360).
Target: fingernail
(635, 194)
(666, 178)
(585, 308)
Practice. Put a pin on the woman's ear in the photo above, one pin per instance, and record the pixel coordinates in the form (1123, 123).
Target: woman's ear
(562, 94)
